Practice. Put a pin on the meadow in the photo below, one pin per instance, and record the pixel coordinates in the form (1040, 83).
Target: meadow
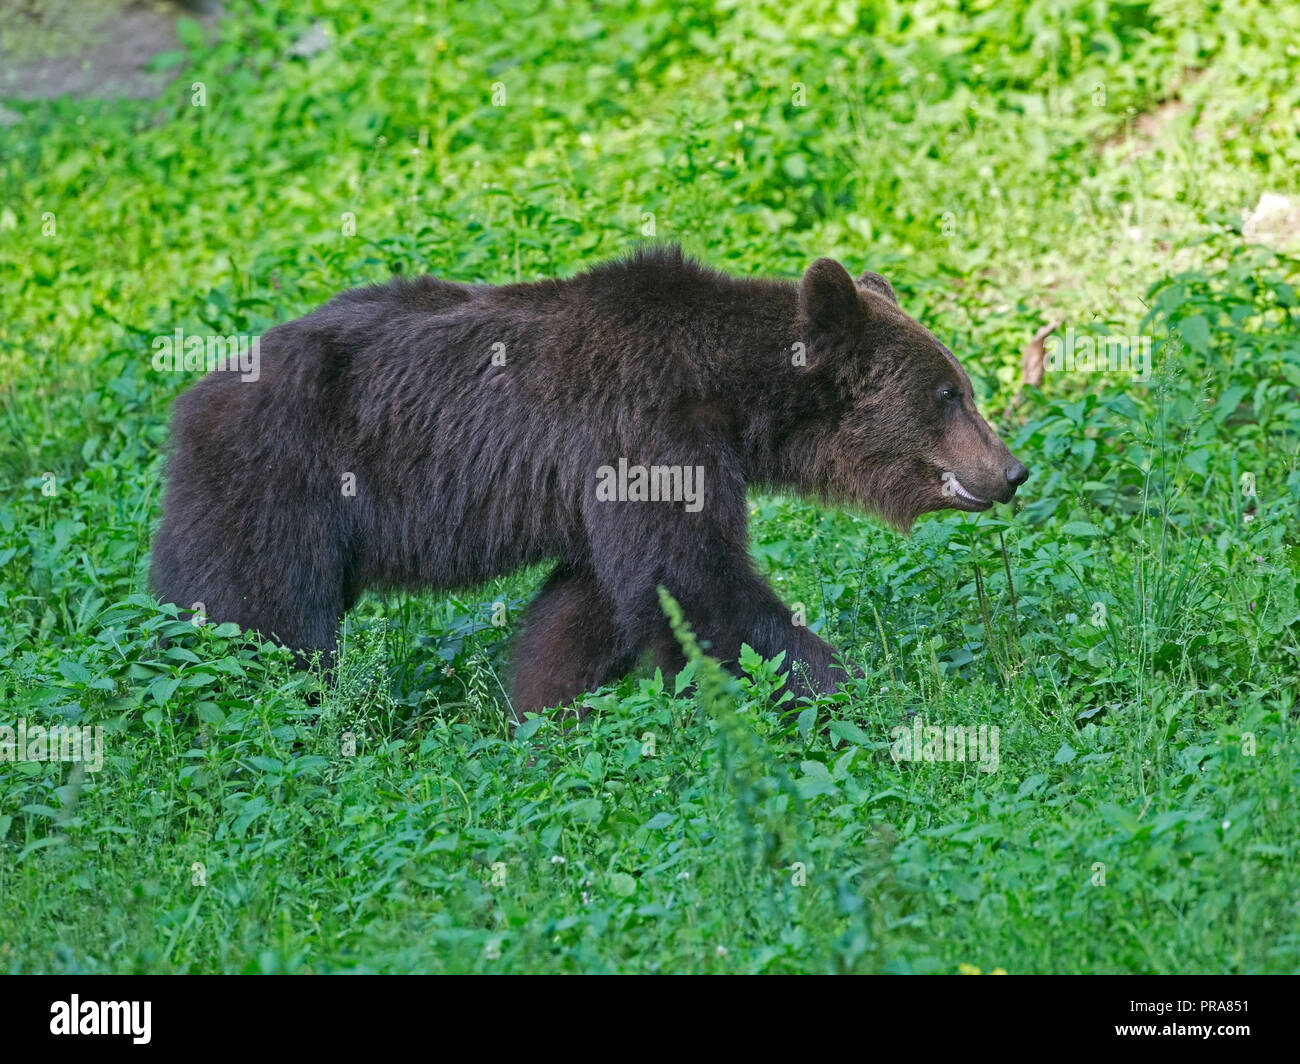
(1130, 626)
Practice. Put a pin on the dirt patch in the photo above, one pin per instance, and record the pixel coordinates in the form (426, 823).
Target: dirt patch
(1140, 136)
(89, 48)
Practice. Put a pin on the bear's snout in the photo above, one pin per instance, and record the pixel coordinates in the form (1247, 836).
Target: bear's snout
(1016, 473)
(1002, 485)
(978, 487)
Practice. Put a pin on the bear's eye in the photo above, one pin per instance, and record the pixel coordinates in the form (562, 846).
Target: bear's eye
(947, 393)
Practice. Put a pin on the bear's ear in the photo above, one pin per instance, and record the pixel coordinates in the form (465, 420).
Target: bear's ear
(828, 298)
(878, 284)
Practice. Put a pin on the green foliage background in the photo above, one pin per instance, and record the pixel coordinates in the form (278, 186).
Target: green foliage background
(1003, 165)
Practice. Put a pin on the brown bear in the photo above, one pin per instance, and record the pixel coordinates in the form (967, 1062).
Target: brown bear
(428, 434)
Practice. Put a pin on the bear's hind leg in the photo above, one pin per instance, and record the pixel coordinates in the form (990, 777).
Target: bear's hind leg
(569, 643)
(292, 596)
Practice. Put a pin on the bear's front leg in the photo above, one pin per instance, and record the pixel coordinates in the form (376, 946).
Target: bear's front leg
(697, 548)
(727, 605)
(729, 611)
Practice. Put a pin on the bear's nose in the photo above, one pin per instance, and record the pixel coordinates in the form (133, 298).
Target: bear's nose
(1016, 474)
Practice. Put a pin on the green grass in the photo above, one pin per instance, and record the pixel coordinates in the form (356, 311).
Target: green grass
(1130, 627)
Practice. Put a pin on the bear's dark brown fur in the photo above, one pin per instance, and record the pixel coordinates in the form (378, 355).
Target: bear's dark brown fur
(484, 428)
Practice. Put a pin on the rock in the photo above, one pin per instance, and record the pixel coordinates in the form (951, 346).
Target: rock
(313, 41)
(1275, 222)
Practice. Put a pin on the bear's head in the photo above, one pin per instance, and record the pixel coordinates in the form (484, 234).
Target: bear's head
(900, 432)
